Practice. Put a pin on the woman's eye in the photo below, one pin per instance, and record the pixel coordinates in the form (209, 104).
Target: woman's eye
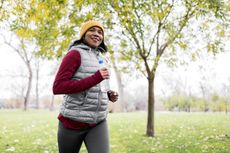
(96, 30)
(100, 32)
(92, 30)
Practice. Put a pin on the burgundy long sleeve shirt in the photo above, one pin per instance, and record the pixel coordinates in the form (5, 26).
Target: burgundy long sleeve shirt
(63, 84)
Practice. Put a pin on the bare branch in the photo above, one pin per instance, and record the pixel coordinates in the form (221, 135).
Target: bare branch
(161, 23)
(186, 17)
(161, 50)
(22, 53)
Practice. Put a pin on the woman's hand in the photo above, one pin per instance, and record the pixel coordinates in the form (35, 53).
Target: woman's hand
(104, 73)
(113, 96)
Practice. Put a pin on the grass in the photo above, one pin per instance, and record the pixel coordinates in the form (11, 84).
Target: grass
(35, 132)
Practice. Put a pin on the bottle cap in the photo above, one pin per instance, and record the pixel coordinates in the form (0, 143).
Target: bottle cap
(100, 61)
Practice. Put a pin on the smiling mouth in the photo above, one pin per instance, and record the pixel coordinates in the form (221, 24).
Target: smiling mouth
(95, 39)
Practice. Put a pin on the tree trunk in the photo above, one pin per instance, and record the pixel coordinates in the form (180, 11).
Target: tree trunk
(119, 105)
(29, 86)
(151, 101)
(37, 84)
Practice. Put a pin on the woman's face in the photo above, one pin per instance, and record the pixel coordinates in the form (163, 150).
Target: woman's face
(94, 37)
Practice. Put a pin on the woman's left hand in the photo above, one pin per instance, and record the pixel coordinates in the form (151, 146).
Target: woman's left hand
(113, 96)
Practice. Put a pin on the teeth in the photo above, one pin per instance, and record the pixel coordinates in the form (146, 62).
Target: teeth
(95, 39)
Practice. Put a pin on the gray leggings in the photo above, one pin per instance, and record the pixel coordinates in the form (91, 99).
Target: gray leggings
(96, 139)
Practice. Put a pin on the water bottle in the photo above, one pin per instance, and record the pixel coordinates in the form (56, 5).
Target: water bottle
(105, 83)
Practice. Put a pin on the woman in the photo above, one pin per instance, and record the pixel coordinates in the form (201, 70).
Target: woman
(84, 109)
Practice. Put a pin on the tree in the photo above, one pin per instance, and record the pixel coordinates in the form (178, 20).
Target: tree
(37, 72)
(156, 29)
(34, 24)
(14, 21)
(26, 57)
(204, 90)
(226, 91)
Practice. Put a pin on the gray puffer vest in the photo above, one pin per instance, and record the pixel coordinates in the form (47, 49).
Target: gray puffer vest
(89, 106)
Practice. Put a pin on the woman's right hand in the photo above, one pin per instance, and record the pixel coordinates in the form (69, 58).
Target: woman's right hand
(104, 73)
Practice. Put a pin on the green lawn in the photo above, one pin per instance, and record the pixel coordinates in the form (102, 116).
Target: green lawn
(35, 132)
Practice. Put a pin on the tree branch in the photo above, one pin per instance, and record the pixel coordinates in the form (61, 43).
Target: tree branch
(161, 50)
(139, 25)
(160, 25)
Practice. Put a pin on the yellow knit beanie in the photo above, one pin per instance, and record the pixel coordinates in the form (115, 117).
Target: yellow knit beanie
(89, 24)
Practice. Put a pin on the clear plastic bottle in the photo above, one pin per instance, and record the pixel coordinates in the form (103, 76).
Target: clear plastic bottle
(105, 83)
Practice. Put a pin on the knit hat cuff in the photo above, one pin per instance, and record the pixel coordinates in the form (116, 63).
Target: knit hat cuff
(87, 25)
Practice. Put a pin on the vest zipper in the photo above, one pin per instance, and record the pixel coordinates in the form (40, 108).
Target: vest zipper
(98, 106)
(85, 97)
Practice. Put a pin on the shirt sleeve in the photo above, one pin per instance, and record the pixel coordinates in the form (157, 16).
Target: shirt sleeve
(63, 83)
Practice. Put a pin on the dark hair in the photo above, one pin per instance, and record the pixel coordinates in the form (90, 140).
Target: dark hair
(102, 47)
(76, 42)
